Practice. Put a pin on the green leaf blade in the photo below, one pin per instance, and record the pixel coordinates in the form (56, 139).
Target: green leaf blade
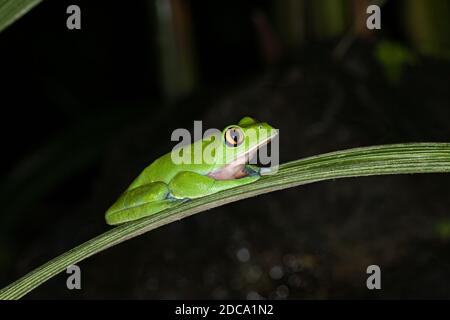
(408, 158)
(12, 10)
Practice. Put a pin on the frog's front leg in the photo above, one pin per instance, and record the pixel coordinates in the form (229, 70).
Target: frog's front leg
(192, 185)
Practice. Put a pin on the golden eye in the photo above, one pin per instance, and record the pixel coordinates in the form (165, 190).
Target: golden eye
(234, 136)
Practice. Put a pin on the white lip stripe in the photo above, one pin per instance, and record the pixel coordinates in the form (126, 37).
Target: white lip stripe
(260, 145)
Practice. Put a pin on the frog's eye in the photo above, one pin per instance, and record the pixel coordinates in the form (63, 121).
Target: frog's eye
(234, 136)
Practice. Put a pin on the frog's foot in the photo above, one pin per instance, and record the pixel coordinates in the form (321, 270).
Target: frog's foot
(140, 202)
(252, 170)
(140, 211)
(171, 197)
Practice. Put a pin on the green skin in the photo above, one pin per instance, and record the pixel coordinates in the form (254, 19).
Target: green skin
(165, 184)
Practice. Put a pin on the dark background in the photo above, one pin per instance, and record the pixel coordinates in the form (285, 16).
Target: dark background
(84, 111)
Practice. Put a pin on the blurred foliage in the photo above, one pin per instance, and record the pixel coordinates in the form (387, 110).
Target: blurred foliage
(427, 24)
(443, 229)
(290, 21)
(175, 44)
(394, 57)
(330, 18)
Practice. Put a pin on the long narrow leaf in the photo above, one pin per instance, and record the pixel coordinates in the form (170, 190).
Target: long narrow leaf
(11, 10)
(368, 161)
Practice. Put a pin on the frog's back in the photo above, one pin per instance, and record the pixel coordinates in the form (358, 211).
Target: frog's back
(162, 169)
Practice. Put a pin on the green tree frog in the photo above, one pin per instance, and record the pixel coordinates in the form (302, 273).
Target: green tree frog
(223, 164)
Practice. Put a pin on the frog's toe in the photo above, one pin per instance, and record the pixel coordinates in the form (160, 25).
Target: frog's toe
(251, 170)
(267, 170)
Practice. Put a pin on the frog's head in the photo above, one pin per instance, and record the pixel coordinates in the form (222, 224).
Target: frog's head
(240, 143)
(247, 136)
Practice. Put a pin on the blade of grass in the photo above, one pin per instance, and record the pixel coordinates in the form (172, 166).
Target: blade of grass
(368, 161)
(11, 10)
